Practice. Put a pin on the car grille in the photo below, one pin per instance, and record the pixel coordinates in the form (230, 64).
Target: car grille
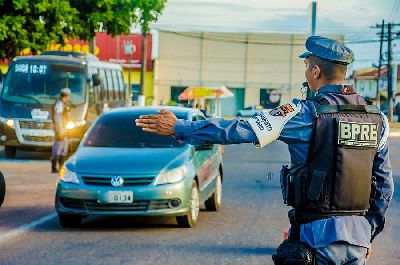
(38, 138)
(106, 181)
(136, 206)
(27, 124)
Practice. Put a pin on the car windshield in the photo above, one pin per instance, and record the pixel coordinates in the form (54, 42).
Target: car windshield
(119, 130)
(40, 82)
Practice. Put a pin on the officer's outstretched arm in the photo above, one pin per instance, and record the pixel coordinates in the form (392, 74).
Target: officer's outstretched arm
(218, 131)
(261, 130)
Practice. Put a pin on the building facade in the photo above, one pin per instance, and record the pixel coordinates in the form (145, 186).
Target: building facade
(365, 81)
(255, 67)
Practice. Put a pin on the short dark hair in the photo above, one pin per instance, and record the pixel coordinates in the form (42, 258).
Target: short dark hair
(330, 69)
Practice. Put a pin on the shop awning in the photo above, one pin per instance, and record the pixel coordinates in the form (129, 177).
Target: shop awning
(194, 92)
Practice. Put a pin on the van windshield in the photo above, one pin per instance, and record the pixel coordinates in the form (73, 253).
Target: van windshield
(40, 82)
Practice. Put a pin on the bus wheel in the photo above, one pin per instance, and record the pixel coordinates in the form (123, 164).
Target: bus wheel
(10, 151)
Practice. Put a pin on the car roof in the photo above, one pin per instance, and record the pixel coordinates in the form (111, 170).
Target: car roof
(178, 111)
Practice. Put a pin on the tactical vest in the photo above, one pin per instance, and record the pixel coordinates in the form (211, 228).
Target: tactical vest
(337, 178)
(65, 114)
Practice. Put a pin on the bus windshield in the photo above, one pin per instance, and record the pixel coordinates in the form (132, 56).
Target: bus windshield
(40, 82)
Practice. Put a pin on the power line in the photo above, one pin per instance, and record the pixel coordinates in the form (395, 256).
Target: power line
(232, 40)
(394, 10)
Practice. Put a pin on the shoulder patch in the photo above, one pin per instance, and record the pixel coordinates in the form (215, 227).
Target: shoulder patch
(269, 124)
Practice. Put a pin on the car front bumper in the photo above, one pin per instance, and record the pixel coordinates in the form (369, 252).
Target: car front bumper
(148, 200)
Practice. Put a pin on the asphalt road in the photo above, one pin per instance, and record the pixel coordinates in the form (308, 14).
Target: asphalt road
(246, 231)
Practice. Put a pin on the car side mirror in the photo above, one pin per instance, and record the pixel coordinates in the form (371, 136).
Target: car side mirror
(96, 79)
(204, 147)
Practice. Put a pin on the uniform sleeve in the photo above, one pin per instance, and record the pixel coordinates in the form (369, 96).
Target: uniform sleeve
(58, 110)
(382, 171)
(217, 131)
(299, 128)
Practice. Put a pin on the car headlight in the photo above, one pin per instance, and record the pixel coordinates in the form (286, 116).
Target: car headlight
(172, 176)
(67, 175)
(73, 124)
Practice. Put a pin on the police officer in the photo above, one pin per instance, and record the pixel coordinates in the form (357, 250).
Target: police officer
(60, 116)
(340, 180)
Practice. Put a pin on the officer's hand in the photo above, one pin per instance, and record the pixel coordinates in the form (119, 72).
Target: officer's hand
(369, 251)
(162, 123)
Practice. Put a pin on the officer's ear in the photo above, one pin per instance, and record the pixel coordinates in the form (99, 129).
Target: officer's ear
(316, 71)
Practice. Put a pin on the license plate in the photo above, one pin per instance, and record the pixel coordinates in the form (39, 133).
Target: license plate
(118, 197)
(37, 133)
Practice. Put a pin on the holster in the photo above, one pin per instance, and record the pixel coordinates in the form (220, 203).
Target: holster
(292, 251)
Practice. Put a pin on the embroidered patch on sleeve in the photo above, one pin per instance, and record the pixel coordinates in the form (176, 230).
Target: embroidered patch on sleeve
(269, 124)
(282, 110)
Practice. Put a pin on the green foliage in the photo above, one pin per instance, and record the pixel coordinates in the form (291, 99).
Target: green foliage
(36, 23)
(148, 11)
(112, 16)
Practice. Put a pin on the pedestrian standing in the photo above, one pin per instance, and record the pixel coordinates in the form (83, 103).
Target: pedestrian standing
(397, 110)
(338, 206)
(60, 116)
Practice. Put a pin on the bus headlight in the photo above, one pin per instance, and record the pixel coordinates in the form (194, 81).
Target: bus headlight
(67, 175)
(172, 176)
(74, 124)
(10, 123)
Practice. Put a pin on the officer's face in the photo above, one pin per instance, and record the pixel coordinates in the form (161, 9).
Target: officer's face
(66, 98)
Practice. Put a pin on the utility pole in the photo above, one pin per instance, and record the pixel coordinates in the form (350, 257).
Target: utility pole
(143, 69)
(313, 17)
(378, 94)
(313, 11)
(389, 74)
(387, 36)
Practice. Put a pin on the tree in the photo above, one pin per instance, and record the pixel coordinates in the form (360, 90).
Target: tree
(112, 16)
(147, 12)
(34, 24)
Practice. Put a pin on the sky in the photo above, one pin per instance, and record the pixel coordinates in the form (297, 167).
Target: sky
(353, 18)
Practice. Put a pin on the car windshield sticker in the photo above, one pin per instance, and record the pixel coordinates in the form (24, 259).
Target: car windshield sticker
(358, 134)
(268, 124)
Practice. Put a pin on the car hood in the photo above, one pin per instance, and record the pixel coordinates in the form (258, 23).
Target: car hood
(106, 160)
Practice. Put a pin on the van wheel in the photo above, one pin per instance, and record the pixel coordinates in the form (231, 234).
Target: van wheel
(10, 151)
(189, 220)
(2, 188)
(69, 220)
(214, 203)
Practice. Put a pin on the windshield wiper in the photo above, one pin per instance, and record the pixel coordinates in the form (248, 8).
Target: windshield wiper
(30, 97)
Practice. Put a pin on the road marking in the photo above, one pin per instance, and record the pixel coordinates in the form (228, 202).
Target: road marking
(26, 227)
(394, 134)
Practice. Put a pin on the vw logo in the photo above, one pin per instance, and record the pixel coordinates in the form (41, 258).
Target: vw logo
(117, 181)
